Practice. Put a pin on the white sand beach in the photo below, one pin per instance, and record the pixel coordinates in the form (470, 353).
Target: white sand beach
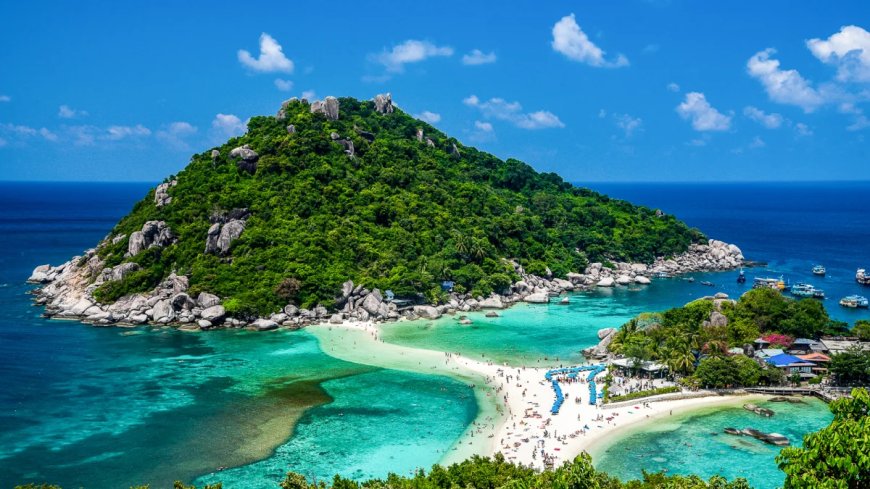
(514, 403)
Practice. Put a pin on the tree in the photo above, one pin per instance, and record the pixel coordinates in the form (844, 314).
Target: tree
(851, 367)
(835, 457)
(717, 373)
(862, 329)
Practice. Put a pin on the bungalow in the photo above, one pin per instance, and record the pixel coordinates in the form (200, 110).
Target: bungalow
(766, 353)
(820, 359)
(792, 365)
(806, 345)
(840, 344)
(650, 368)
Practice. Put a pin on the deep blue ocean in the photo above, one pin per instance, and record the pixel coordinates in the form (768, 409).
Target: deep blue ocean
(110, 407)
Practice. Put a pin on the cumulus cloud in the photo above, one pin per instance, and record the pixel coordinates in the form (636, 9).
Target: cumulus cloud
(271, 58)
(783, 86)
(802, 129)
(430, 117)
(176, 133)
(848, 50)
(673, 87)
(283, 85)
(483, 132)
(483, 126)
(117, 133)
(309, 95)
(704, 117)
(478, 57)
(226, 126)
(861, 122)
(410, 51)
(498, 108)
(770, 121)
(572, 42)
(21, 133)
(5, 98)
(628, 123)
(67, 112)
(756, 143)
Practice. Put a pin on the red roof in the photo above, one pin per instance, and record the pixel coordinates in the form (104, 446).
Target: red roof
(815, 357)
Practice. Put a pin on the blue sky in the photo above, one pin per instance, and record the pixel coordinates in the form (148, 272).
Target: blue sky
(643, 90)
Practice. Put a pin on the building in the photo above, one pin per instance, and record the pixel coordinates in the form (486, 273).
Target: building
(806, 345)
(766, 353)
(840, 344)
(791, 365)
(819, 359)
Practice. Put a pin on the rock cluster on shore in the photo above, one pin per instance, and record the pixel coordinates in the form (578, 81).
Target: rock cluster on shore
(67, 290)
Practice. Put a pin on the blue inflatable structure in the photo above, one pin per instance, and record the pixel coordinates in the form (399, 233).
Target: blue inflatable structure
(571, 373)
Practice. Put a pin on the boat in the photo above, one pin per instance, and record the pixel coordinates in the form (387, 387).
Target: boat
(741, 279)
(661, 275)
(861, 277)
(818, 294)
(819, 270)
(770, 283)
(854, 301)
(708, 284)
(802, 290)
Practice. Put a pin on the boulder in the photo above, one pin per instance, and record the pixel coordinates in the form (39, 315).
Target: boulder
(213, 313)
(605, 282)
(491, 314)
(537, 298)
(493, 302)
(291, 310)
(206, 300)
(291, 129)
(182, 302)
(328, 107)
(718, 319)
(640, 279)
(162, 311)
(336, 318)
(161, 193)
(384, 103)
(221, 236)
(371, 303)
(264, 325)
(347, 289)
(428, 312)
(603, 333)
(80, 307)
(623, 280)
(204, 324)
(153, 234)
(576, 278)
(40, 274)
(247, 158)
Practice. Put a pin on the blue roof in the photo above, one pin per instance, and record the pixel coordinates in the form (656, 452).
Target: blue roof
(784, 359)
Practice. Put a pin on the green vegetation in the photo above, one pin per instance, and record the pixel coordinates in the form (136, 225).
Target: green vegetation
(400, 215)
(693, 340)
(851, 367)
(647, 393)
(835, 457)
(862, 329)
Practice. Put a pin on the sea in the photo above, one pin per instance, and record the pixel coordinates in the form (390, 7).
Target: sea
(83, 406)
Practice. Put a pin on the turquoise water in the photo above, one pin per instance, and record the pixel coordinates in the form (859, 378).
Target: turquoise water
(108, 408)
(693, 443)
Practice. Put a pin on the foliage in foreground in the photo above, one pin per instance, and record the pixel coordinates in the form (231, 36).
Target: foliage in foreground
(401, 215)
(837, 456)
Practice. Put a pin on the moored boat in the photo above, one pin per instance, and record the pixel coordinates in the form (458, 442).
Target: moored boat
(741, 278)
(854, 301)
(770, 283)
(861, 277)
(802, 290)
(819, 270)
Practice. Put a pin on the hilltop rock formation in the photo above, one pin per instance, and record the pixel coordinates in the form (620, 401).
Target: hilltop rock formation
(153, 233)
(161, 193)
(247, 158)
(384, 103)
(328, 107)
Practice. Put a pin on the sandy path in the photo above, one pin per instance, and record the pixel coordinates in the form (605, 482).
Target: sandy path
(514, 403)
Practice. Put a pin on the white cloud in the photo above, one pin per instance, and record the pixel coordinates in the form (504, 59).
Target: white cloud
(271, 57)
(430, 117)
(802, 129)
(483, 126)
(571, 41)
(861, 122)
(309, 95)
(175, 134)
(704, 116)
(117, 133)
(410, 51)
(848, 50)
(67, 112)
(21, 133)
(673, 87)
(478, 57)
(5, 98)
(756, 143)
(283, 85)
(627, 123)
(226, 126)
(770, 121)
(783, 86)
(498, 108)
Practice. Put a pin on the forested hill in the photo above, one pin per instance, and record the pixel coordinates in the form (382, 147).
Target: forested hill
(348, 189)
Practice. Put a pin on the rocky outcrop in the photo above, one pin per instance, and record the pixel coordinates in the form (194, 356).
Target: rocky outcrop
(161, 193)
(153, 234)
(384, 103)
(537, 298)
(221, 236)
(247, 158)
(291, 129)
(605, 337)
(328, 107)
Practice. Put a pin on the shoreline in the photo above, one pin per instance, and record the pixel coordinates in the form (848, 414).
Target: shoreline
(513, 402)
